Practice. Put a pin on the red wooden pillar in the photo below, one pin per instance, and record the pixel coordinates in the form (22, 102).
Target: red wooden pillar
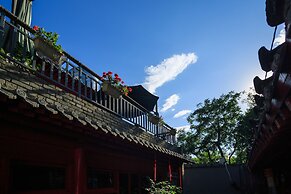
(116, 175)
(129, 183)
(139, 184)
(79, 171)
(170, 171)
(155, 170)
(180, 177)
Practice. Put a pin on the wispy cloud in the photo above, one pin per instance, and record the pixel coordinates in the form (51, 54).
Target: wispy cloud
(280, 38)
(182, 113)
(186, 128)
(167, 70)
(170, 102)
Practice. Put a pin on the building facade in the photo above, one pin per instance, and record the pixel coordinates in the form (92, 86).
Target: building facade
(60, 133)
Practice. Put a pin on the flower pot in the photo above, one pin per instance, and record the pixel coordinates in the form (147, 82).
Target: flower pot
(173, 132)
(154, 119)
(44, 48)
(108, 89)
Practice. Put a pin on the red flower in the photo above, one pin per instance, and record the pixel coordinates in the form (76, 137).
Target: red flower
(35, 28)
(116, 82)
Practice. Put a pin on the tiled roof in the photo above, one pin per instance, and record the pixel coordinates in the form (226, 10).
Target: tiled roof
(273, 111)
(17, 81)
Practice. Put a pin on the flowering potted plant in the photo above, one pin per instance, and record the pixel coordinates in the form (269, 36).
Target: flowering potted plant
(46, 44)
(155, 119)
(173, 132)
(113, 85)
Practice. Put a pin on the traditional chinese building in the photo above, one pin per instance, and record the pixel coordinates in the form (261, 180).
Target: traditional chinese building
(270, 158)
(61, 133)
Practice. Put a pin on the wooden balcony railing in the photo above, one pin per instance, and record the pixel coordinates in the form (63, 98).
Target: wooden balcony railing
(73, 76)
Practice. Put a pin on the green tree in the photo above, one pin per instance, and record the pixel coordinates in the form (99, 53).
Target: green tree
(244, 135)
(218, 129)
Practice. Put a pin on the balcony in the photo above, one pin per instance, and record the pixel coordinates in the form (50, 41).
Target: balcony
(74, 77)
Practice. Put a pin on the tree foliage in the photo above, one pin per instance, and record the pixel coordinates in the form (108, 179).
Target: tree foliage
(218, 129)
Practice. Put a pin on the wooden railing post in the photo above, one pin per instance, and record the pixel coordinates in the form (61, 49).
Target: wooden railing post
(155, 169)
(2, 27)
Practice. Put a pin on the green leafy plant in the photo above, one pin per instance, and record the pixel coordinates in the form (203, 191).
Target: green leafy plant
(3, 52)
(23, 57)
(156, 119)
(116, 82)
(51, 37)
(163, 187)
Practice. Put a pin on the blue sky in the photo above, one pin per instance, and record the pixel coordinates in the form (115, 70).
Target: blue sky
(182, 50)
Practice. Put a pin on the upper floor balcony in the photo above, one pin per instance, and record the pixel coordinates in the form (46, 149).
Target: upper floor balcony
(18, 45)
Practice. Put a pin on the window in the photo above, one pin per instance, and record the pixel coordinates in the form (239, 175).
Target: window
(99, 179)
(27, 177)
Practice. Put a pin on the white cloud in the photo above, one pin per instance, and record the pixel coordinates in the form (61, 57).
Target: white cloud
(186, 128)
(173, 109)
(280, 38)
(167, 70)
(170, 102)
(182, 113)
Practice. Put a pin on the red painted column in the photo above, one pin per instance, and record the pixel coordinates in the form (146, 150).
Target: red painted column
(79, 171)
(129, 183)
(180, 177)
(155, 170)
(170, 171)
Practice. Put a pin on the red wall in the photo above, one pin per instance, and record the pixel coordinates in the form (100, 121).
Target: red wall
(76, 153)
